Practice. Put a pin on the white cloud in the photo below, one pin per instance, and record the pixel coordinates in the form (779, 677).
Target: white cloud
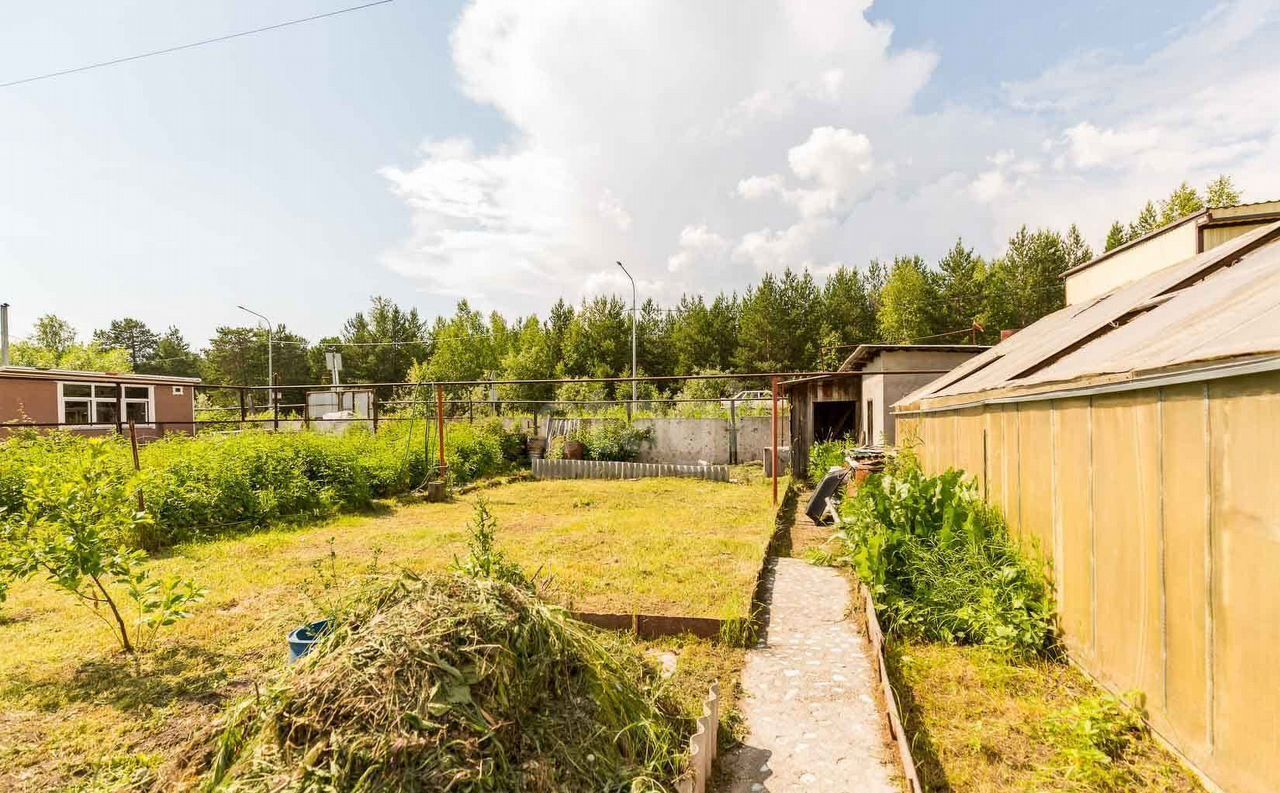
(1089, 146)
(725, 136)
(697, 244)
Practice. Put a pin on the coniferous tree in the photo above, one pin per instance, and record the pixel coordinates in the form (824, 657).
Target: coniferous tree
(1222, 192)
(961, 281)
(134, 337)
(1116, 236)
(1183, 201)
(909, 307)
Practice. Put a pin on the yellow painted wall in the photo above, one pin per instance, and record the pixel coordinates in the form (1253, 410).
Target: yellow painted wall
(1159, 512)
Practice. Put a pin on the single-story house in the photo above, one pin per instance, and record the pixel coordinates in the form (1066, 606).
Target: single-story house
(96, 402)
(1130, 441)
(854, 402)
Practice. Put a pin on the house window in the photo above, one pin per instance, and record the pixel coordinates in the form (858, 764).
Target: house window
(90, 404)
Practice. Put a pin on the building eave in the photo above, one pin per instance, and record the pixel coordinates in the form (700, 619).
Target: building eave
(32, 373)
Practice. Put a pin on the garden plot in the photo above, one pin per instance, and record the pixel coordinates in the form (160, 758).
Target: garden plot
(75, 714)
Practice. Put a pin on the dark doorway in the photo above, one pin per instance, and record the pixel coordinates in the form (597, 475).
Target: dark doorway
(834, 419)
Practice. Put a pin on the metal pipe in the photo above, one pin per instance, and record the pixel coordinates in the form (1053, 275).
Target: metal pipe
(440, 429)
(644, 379)
(773, 428)
(633, 335)
(4, 335)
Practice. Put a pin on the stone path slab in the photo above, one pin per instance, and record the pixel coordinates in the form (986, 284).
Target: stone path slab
(814, 724)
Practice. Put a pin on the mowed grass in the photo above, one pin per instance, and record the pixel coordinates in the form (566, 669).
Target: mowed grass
(73, 715)
(979, 723)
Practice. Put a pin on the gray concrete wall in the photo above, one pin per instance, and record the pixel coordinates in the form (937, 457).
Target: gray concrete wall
(687, 441)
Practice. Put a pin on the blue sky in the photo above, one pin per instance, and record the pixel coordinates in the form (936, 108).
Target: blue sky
(510, 153)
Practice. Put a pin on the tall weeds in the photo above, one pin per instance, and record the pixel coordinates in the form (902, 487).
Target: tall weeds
(207, 485)
(941, 564)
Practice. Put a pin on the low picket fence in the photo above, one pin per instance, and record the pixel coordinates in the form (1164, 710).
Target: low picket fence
(605, 469)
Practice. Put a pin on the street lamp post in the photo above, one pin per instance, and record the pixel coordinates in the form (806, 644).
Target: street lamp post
(271, 382)
(633, 336)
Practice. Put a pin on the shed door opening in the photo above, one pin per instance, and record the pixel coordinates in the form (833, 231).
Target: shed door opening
(833, 420)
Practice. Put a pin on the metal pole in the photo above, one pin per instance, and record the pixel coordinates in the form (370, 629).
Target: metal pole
(4, 334)
(633, 336)
(137, 463)
(271, 381)
(440, 430)
(773, 428)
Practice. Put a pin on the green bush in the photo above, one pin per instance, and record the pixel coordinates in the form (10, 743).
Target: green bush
(941, 564)
(825, 455)
(613, 440)
(75, 529)
(212, 484)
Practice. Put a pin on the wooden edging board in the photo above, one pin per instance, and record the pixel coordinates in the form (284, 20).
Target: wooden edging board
(653, 626)
(876, 636)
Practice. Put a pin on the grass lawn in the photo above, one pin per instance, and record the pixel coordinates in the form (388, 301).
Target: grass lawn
(74, 716)
(978, 723)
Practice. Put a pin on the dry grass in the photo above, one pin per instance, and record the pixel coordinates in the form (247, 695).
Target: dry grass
(979, 723)
(73, 716)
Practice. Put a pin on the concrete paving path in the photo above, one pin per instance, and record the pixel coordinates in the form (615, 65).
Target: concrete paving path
(808, 696)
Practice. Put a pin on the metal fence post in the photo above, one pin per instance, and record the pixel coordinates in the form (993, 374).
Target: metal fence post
(275, 403)
(444, 466)
(773, 424)
(733, 431)
(137, 463)
(120, 408)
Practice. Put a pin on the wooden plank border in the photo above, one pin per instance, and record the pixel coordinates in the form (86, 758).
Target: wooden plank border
(892, 712)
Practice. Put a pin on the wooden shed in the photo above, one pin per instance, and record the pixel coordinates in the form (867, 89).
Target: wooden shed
(1130, 440)
(855, 402)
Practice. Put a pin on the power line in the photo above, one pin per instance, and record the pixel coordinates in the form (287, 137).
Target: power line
(201, 43)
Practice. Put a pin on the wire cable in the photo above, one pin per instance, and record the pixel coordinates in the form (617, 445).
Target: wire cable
(180, 47)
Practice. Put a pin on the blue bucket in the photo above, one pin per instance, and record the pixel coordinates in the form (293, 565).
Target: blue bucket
(303, 639)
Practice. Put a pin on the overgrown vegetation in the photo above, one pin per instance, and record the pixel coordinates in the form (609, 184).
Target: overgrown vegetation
(607, 439)
(466, 682)
(76, 718)
(941, 564)
(980, 724)
(988, 702)
(825, 455)
(76, 529)
(208, 485)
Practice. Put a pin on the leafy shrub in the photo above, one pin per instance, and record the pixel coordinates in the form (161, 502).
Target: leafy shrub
(825, 455)
(941, 564)
(210, 484)
(613, 440)
(76, 529)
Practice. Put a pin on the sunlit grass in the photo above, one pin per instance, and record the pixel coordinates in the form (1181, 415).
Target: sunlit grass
(71, 712)
(978, 722)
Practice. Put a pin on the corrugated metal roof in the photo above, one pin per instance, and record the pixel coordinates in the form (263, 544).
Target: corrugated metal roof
(1220, 304)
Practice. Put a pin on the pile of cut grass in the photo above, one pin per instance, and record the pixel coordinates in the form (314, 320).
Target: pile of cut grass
(455, 683)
